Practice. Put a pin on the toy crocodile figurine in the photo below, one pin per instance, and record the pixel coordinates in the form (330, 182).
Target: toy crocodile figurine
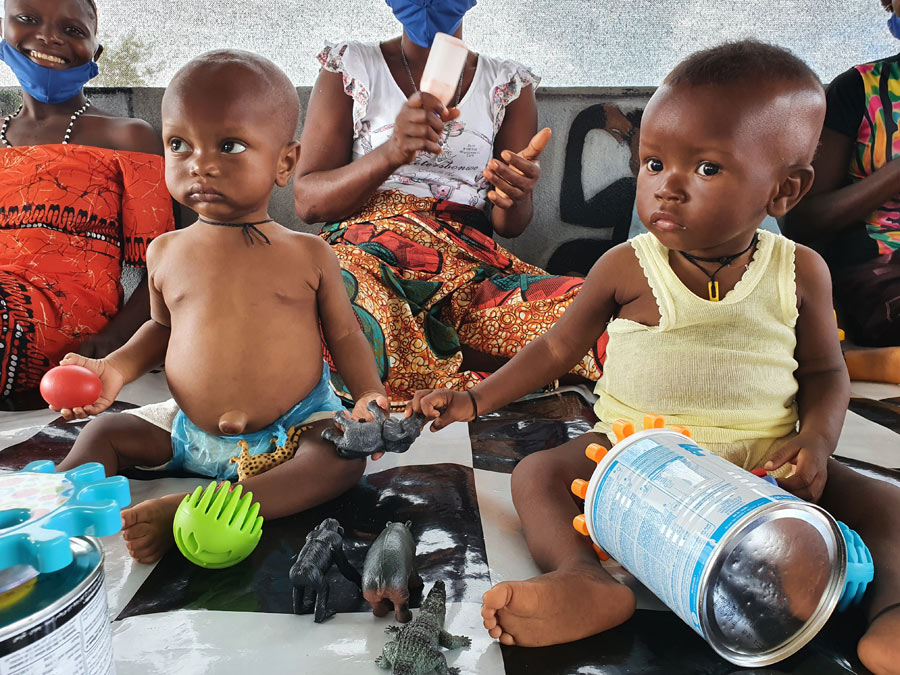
(415, 647)
(389, 571)
(382, 434)
(324, 546)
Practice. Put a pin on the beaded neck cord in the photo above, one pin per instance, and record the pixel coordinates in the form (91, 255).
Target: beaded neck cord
(251, 232)
(724, 261)
(75, 115)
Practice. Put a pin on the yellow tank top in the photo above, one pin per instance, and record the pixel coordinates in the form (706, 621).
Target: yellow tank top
(725, 370)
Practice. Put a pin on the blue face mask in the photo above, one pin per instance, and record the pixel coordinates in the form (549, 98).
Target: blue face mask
(423, 19)
(46, 84)
(894, 25)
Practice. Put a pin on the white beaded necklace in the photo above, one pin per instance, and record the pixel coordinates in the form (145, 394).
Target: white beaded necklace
(68, 134)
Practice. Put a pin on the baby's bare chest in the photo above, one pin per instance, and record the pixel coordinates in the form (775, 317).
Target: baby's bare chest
(238, 283)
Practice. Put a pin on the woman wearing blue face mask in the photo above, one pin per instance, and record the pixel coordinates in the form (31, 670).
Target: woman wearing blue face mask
(81, 193)
(415, 191)
(852, 212)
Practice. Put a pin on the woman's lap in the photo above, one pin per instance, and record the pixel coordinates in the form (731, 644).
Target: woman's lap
(424, 284)
(869, 298)
(36, 330)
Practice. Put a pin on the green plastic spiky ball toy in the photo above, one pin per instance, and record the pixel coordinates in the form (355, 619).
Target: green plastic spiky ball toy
(217, 527)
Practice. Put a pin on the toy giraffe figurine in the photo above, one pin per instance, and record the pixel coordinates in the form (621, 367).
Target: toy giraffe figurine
(252, 465)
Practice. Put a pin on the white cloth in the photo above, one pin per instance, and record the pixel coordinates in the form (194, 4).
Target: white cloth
(454, 175)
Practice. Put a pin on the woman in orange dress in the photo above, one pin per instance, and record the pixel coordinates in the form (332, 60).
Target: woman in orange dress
(81, 194)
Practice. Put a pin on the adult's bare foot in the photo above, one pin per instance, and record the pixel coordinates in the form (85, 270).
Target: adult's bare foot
(147, 527)
(561, 606)
(874, 365)
(879, 649)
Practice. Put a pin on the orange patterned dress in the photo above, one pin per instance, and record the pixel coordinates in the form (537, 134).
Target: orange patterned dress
(70, 216)
(424, 280)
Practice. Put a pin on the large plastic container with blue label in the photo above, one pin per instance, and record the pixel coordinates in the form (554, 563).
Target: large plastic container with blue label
(751, 568)
(53, 611)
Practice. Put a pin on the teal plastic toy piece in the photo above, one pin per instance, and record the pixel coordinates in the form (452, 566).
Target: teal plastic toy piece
(860, 569)
(217, 527)
(41, 509)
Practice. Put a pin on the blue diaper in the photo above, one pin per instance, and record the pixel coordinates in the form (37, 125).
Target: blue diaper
(197, 452)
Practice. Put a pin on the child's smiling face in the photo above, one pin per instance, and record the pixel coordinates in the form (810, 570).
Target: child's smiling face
(711, 165)
(57, 34)
(222, 155)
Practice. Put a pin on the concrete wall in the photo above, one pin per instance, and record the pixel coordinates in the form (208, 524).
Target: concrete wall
(583, 200)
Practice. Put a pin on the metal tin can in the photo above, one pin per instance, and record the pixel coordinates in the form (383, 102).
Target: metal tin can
(61, 625)
(751, 568)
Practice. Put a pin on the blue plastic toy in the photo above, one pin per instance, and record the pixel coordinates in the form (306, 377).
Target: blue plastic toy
(40, 510)
(860, 569)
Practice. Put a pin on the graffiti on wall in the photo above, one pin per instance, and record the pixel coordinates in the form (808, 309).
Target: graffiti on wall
(598, 184)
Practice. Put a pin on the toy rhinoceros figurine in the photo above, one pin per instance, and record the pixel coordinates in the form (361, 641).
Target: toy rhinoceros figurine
(389, 571)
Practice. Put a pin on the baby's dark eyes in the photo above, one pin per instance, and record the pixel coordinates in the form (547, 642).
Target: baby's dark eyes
(177, 145)
(708, 169)
(653, 165)
(233, 147)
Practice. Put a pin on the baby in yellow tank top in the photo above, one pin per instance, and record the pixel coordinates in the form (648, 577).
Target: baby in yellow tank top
(715, 325)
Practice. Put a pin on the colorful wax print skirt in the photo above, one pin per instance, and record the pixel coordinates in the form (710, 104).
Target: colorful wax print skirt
(425, 281)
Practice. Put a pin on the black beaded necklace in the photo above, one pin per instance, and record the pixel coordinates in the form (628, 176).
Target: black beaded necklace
(724, 261)
(250, 229)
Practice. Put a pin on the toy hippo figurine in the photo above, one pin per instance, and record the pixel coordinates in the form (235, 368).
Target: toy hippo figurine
(324, 546)
(415, 647)
(382, 434)
(389, 571)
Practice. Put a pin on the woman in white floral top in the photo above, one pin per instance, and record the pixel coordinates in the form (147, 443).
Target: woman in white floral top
(412, 192)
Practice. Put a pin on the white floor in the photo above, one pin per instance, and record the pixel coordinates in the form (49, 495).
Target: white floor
(237, 643)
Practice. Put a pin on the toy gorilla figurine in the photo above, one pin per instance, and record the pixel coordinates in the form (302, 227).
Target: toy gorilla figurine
(324, 546)
(383, 434)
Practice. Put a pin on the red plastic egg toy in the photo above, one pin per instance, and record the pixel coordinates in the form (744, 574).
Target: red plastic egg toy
(70, 387)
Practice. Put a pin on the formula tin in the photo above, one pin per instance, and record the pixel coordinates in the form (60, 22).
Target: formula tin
(61, 625)
(753, 569)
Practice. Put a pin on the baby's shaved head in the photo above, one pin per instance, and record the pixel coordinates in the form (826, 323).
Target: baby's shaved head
(764, 85)
(243, 77)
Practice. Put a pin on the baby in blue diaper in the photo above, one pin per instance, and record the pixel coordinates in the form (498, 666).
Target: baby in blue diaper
(240, 307)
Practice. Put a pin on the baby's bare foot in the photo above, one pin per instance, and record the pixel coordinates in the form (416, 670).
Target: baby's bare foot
(557, 607)
(879, 649)
(147, 527)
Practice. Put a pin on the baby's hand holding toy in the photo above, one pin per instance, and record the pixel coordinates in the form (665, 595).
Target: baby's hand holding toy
(362, 409)
(361, 438)
(515, 176)
(111, 383)
(809, 453)
(443, 406)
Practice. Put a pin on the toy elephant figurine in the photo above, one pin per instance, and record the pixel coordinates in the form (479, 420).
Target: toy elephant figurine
(389, 571)
(382, 434)
(324, 546)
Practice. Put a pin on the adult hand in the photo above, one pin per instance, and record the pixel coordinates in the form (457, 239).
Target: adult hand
(418, 127)
(809, 454)
(442, 406)
(514, 178)
(111, 380)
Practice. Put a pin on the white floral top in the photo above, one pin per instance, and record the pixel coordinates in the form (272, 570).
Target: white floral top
(468, 141)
